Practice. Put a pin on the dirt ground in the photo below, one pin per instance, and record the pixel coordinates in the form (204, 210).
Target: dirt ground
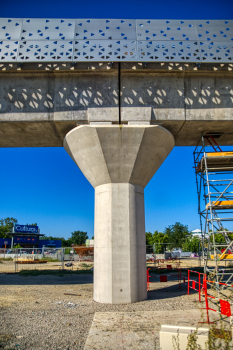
(10, 266)
(36, 313)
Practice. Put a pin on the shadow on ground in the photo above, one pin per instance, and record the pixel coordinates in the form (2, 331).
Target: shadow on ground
(16, 279)
(158, 291)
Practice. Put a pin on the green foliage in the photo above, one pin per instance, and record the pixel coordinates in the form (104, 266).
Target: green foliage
(17, 246)
(60, 273)
(6, 226)
(66, 242)
(148, 238)
(191, 244)
(49, 259)
(67, 250)
(78, 237)
(176, 235)
(219, 238)
(51, 238)
(158, 239)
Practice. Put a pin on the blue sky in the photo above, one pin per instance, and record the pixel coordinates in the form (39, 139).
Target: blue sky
(44, 185)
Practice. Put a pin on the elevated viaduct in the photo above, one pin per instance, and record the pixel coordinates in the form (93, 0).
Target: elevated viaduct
(118, 94)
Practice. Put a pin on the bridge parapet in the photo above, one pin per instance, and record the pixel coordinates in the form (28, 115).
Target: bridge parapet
(81, 40)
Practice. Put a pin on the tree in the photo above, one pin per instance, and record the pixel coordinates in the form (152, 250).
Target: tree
(148, 238)
(176, 234)
(158, 239)
(191, 244)
(6, 226)
(78, 237)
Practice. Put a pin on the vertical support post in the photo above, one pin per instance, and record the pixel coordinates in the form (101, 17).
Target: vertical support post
(179, 277)
(119, 161)
(16, 259)
(148, 280)
(206, 299)
(63, 256)
(199, 287)
(188, 282)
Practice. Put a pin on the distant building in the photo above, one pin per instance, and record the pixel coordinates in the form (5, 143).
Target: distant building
(197, 233)
(27, 236)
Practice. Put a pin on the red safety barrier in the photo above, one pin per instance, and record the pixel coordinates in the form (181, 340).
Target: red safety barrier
(225, 306)
(148, 282)
(193, 286)
(164, 277)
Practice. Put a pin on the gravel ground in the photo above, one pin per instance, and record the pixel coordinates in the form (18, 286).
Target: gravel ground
(36, 314)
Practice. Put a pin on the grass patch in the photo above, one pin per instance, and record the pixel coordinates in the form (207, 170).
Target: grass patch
(86, 265)
(54, 272)
(49, 259)
(5, 259)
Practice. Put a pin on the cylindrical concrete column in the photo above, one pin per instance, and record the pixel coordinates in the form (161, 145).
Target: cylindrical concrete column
(120, 269)
(119, 161)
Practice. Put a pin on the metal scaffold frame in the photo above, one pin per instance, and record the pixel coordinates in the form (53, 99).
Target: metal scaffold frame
(214, 180)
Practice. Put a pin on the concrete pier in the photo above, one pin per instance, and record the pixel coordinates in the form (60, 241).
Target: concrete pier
(119, 161)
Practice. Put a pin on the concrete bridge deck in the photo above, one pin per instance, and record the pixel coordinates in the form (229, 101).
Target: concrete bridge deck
(41, 102)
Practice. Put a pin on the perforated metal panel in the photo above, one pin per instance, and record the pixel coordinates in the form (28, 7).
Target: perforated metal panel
(40, 50)
(10, 28)
(166, 30)
(33, 40)
(215, 30)
(105, 50)
(214, 51)
(48, 29)
(8, 51)
(100, 29)
(172, 51)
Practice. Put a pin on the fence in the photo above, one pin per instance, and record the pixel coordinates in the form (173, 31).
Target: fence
(164, 278)
(220, 306)
(16, 260)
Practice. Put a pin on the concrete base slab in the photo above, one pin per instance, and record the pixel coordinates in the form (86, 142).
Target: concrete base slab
(135, 330)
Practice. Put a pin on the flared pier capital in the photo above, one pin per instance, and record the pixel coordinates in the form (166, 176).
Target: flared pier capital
(119, 153)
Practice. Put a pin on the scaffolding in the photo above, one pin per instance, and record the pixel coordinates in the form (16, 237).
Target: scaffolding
(214, 180)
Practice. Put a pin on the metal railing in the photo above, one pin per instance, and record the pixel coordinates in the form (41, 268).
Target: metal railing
(18, 259)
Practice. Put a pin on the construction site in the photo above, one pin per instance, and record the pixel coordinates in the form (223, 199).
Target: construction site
(117, 95)
(58, 283)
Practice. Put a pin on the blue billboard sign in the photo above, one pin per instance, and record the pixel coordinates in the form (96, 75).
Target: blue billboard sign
(25, 239)
(26, 229)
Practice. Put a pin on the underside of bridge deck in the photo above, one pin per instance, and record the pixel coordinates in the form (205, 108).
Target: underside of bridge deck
(40, 103)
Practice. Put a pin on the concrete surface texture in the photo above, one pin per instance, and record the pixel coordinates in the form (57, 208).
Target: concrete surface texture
(119, 161)
(178, 336)
(40, 103)
(136, 330)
